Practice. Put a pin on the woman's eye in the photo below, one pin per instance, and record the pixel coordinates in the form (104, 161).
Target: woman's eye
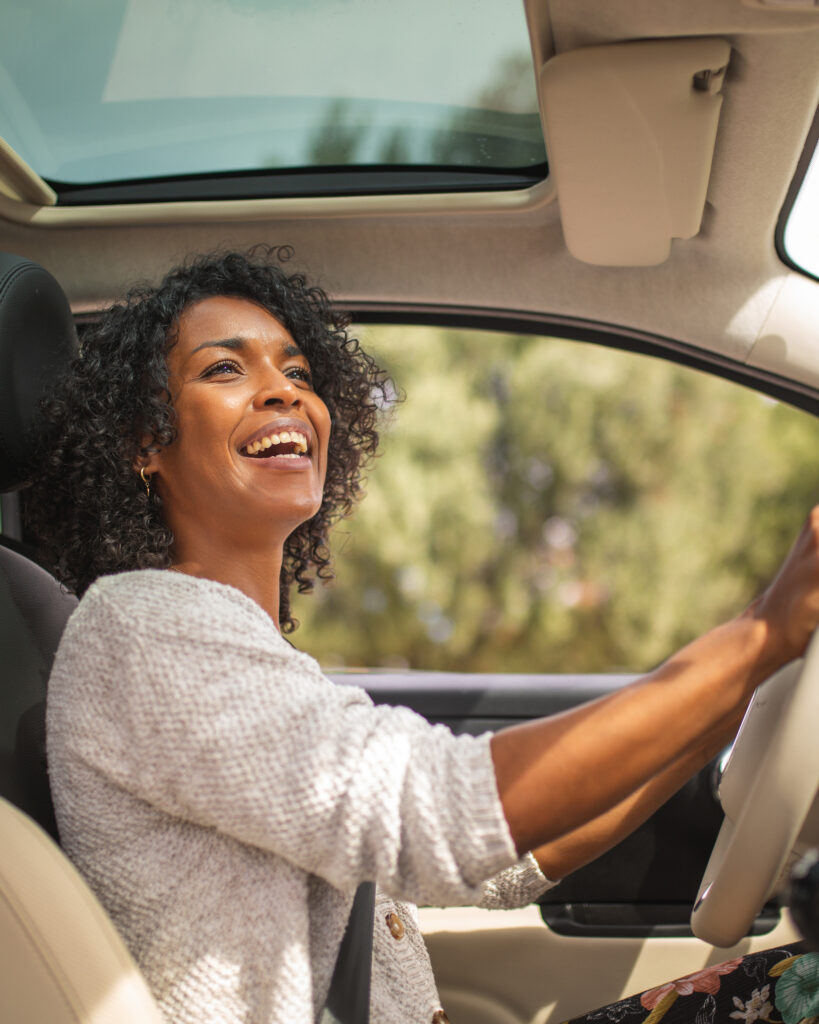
(223, 367)
(300, 373)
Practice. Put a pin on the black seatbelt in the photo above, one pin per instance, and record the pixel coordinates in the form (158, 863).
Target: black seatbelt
(348, 1001)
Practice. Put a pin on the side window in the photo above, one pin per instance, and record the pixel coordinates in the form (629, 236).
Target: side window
(551, 506)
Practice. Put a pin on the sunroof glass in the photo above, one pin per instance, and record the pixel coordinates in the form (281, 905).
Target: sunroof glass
(112, 90)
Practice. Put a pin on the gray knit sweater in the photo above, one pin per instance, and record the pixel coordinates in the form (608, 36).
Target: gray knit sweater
(224, 799)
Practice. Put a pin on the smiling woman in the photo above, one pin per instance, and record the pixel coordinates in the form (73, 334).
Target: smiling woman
(183, 730)
(114, 417)
(260, 397)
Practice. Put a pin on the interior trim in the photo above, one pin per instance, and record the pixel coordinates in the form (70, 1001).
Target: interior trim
(811, 143)
(512, 959)
(495, 698)
(314, 182)
(205, 211)
(21, 182)
(794, 393)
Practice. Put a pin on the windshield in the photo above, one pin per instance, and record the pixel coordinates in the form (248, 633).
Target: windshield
(801, 237)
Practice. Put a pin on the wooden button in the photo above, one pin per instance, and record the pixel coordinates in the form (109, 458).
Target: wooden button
(439, 1017)
(395, 925)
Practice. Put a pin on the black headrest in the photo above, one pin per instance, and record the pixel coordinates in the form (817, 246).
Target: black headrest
(37, 340)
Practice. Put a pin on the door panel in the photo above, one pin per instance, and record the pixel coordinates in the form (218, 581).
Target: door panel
(495, 966)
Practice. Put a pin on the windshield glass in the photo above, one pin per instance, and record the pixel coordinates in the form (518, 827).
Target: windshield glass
(802, 228)
(115, 90)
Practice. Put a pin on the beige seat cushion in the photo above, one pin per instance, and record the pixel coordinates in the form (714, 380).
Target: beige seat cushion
(61, 959)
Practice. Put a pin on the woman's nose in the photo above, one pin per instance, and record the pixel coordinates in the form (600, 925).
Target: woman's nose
(277, 389)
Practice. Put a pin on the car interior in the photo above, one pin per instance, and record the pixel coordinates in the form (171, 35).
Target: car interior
(632, 177)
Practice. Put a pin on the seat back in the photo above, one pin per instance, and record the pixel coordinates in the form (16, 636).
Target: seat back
(37, 340)
(33, 611)
(61, 960)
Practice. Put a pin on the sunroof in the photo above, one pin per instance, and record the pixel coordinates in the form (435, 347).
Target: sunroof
(125, 90)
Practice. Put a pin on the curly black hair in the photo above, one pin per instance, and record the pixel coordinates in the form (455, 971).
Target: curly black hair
(87, 507)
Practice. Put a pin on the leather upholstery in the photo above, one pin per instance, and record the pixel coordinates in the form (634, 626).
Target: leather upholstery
(61, 960)
(37, 338)
(33, 611)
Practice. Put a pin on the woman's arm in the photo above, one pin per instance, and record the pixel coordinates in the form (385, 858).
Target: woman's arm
(619, 756)
(584, 844)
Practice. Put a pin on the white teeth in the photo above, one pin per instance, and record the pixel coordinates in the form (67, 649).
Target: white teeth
(285, 437)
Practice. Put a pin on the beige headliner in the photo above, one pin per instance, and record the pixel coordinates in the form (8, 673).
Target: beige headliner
(725, 289)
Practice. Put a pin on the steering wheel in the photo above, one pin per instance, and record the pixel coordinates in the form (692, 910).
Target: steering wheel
(768, 792)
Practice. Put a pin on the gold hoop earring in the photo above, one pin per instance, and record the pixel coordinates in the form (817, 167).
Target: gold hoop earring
(146, 480)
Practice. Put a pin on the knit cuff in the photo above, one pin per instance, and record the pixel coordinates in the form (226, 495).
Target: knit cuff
(488, 847)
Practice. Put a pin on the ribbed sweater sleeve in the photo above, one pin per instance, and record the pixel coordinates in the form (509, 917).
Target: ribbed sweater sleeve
(517, 886)
(209, 715)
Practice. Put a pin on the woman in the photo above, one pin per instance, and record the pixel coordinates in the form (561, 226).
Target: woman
(222, 797)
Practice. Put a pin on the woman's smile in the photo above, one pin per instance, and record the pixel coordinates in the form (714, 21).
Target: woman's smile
(252, 434)
(284, 438)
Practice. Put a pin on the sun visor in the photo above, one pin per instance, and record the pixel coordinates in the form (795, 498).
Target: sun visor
(630, 132)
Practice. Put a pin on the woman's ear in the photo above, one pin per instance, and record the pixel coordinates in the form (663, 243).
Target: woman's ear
(146, 465)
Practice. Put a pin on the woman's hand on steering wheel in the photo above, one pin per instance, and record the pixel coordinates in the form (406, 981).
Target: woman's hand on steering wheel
(790, 604)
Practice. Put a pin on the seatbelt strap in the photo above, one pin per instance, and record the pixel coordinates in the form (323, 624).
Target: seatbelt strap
(348, 1001)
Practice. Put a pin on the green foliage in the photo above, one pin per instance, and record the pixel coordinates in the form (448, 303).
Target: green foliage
(549, 506)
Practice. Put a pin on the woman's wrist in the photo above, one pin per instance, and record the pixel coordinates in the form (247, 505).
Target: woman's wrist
(767, 644)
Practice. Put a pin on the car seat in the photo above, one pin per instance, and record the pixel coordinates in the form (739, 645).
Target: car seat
(61, 960)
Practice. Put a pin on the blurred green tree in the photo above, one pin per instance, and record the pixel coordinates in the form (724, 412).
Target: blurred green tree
(551, 506)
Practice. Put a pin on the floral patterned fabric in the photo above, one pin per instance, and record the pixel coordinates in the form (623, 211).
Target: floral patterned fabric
(779, 986)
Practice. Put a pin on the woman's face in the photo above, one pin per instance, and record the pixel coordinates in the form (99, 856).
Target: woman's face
(250, 456)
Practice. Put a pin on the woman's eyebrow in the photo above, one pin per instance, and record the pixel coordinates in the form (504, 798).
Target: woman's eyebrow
(232, 343)
(235, 344)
